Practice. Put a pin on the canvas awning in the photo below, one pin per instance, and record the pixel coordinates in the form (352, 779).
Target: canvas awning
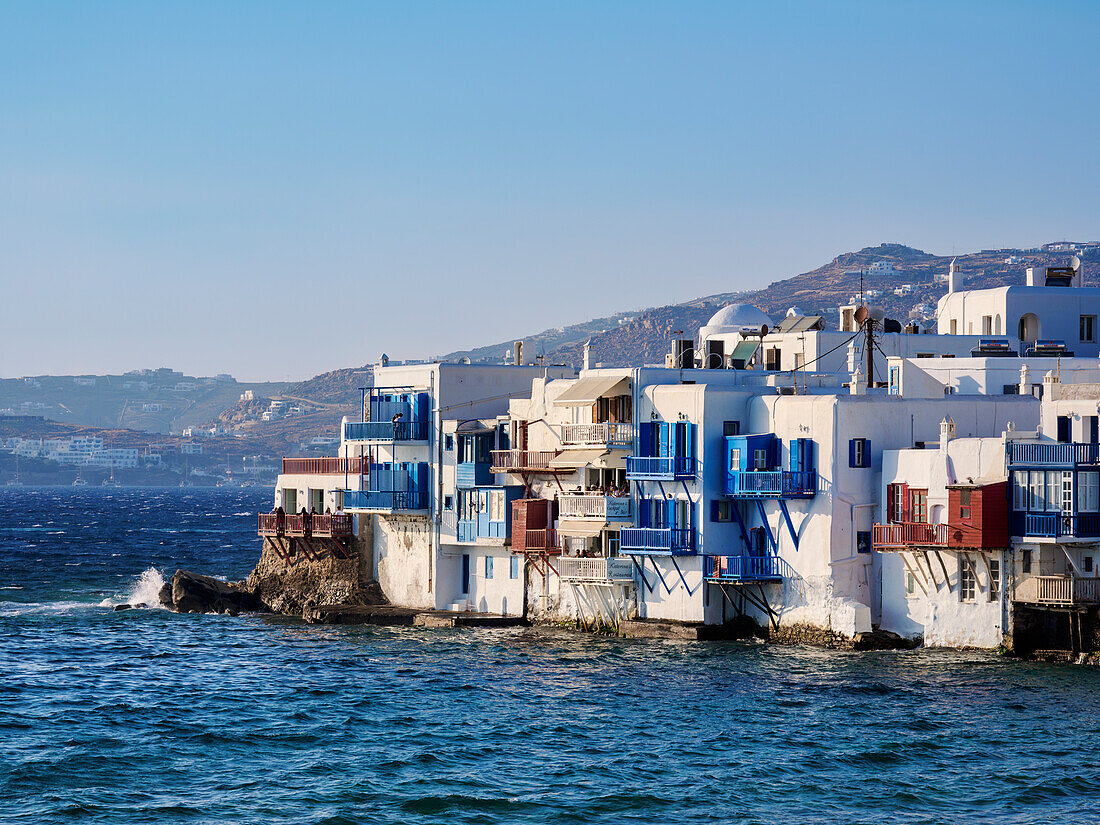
(581, 527)
(744, 351)
(577, 458)
(587, 390)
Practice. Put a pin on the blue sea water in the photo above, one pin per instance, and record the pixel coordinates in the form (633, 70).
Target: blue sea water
(147, 716)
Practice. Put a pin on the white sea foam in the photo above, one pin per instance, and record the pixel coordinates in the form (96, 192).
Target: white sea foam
(25, 608)
(146, 589)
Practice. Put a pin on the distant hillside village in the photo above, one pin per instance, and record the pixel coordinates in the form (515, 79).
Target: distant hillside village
(857, 480)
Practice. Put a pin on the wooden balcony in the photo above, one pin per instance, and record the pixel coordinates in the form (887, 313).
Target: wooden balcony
(331, 525)
(657, 541)
(737, 569)
(1058, 590)
(593, 506)
(770, 484)
(544, 540)
(607, 434)
(327, 466)
(660, 468)
(614, 570)
(903, 535)
(523, 461)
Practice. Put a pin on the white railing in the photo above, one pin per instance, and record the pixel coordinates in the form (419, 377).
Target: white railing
(583, 505)
(613, 570)
(1058, 590)
(606, 434)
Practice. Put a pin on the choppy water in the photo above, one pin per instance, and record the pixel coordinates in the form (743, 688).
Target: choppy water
(147, 716)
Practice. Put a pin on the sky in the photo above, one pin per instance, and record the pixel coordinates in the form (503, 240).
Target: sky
(277, 189)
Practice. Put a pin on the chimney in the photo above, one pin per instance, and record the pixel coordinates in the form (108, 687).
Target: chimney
(588, 354)
(856, 385)
(1031, 276)
(517, 354)
(954, 277)
(1025, 380)
(947, 431)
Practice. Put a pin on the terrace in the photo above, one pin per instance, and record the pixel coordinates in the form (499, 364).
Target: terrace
(657, 541)
(903, 535)
(770, 484)
(1058, 590)
(596, 571)
(607, 434)
(593, 506)
(660, 468)
(735, 569)
(523, 461)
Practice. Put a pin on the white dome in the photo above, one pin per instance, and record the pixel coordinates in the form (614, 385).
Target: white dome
(795, 312)
(737, 316)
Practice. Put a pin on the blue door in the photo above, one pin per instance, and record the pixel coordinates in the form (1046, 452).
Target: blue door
(465, 574)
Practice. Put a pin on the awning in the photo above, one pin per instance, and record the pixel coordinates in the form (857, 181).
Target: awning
(473, 428)
(587, 390)
(744, 351)
(580, 527)
(577, 458)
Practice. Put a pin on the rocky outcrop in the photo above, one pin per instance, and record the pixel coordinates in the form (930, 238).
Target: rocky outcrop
(195, 593)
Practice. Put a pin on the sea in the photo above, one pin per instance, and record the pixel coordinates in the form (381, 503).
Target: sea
(146, 716)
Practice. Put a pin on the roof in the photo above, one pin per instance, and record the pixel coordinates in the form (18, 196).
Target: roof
(587, 390)
(577, 458)
(739, 315)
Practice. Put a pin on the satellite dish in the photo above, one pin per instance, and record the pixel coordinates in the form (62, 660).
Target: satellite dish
(465, 359)
(861, 315)
(876, 313)
(763, 329)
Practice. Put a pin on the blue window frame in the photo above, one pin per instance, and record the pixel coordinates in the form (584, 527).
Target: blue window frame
(514, 571)
(488, 567)
(859, 452)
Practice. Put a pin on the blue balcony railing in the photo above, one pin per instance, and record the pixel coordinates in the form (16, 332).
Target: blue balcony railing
(771, 484)
(386, 431)
(1048, 454)
(660, 468)
(467, 530)
(657, 541)
(388, 500)
(743, 568)
(473, 474)
(1053, 525)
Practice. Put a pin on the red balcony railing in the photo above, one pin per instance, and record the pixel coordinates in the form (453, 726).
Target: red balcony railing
(330, 526)
(329, 466)
(271, 524)
(536, 541)
(507, 461)
(904, 534)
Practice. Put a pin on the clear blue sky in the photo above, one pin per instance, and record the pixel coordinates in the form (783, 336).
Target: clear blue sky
(277, 189)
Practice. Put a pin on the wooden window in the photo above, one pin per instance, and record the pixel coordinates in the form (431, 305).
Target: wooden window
(513, 571)
(994, 579)
(760, 459)
(918, 506)
(735, 459)
(1088, 328)
(964, 504)
(859, 452)
(488, 567)
(1088, 492)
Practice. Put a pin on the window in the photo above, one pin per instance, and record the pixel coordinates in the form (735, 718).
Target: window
(859, 452)
(968, 579)
(488, 567)
(954, 327)
(735, 460)
(513, 570)
(1026, 562)
(1092, 429)
(1086, 564)
(1088, 492)
(1019, 491)
(1010, 389)
(918, 506)
(910, 583)
(465, 573)
(731, 428)
(760, 459)
(863, 541)
(449, 442)
(1088, 328)
(1035, 501)
(895, 503)
(448, 502)
(496, 505)
(721, 510)
(987, 325)
(964, 503)
(994, 579)
(771, 358)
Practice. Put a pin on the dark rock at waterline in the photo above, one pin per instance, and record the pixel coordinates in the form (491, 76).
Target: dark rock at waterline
(164, 595)
(194, 593)
(119, 607)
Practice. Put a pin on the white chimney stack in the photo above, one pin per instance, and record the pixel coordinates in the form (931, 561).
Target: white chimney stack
(588, 355)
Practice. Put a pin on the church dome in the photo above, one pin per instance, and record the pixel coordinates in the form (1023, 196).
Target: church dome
(736, 316)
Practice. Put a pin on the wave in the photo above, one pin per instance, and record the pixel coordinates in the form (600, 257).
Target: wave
(10, 609)
(144, 592)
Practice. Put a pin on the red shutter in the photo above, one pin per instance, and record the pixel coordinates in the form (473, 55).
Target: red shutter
(891, 503)
(907, 505)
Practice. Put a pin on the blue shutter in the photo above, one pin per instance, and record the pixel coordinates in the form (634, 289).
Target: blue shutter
(643, 512)
(714, 502)
(664, 439)
(645, 438)
(688, 447)
(670, 513)
(852, 452)
(866, 452)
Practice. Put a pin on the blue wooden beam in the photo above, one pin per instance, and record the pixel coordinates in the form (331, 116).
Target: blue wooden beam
(767, 527)
(790, 524)
(741, 523)
(681, 572)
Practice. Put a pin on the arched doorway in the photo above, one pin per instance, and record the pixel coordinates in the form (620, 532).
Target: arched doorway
(997, 324)
(1030, 329)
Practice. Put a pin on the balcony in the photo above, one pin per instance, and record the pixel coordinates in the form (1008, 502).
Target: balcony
(614, 570)
(324, 466)
(470, 474)
(1055, 525)
(771, 484)
(271, 524)
(906, 534)
(1034, 453)
(597, 435)
(330, 525)
(1058, 590)
(660, 468)
(522, 461)
(386, 431)
(387, 501)
(742, 568)
(543, 540)
(600, 507)
(474, 530)
(657, 541)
